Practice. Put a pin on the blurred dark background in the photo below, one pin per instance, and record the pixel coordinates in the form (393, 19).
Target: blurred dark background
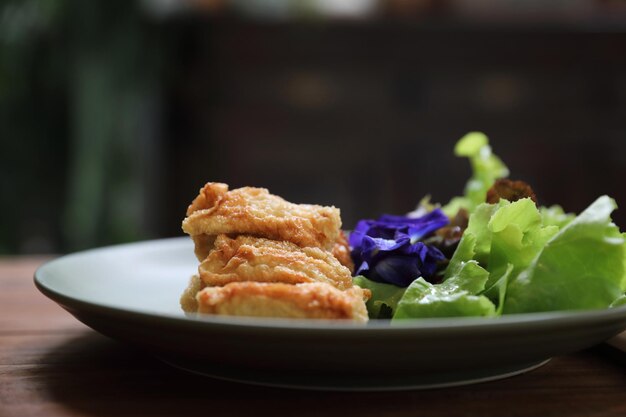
(114, 113)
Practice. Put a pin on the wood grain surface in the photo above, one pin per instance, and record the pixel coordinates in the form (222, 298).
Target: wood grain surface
(52, 365)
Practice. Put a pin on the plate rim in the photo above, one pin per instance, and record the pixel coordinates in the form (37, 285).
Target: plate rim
(512, 321)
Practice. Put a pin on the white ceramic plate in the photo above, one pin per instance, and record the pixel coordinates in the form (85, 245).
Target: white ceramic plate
(130, 292)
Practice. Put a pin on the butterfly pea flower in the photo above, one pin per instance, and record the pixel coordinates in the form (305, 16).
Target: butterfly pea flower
(390, 249)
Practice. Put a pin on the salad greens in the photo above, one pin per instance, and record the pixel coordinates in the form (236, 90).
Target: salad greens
(486, 168)
(513, 257)
(458, 295)
(384, 298)
(555, 216)
(581, 267)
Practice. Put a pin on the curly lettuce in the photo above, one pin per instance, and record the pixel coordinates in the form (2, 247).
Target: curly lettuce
(508, 257)
(384, 300)
(515, 257)
(449, 299)
(581, 267)
(486, 168)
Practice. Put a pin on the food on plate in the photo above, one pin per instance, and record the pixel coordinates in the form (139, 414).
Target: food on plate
(490, 252)
(313, 300)
(494, 250)
(247, 258)
(390, 249)
(509, 190)
(254, 211)
(188, 300)
(341, 251)
(263, 256)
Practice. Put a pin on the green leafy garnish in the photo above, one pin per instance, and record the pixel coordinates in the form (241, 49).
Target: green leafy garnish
(514, 257)
(486, 168)
(555, 216)
(423, 299)
(582, 267)
(384, 298)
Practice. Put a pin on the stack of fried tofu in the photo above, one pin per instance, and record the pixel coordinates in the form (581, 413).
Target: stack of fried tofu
(266, 257)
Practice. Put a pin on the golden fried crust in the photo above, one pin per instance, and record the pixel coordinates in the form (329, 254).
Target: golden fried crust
(247, 258)
(208, 196)
(188, 299)
(304, 301)
(254, 211)
(341, 251)
(203, 244)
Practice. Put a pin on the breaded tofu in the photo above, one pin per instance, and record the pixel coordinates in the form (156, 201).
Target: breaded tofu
(203, 245)
(341, 251)
(254, 211)
(248, 258)
(188, 301)
(302, 301)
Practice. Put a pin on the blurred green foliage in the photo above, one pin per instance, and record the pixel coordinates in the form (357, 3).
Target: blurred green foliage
(77, 87)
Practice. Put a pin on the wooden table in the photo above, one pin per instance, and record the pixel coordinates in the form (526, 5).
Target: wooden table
(52, 365)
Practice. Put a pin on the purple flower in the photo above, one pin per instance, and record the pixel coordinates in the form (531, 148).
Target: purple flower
(389, 249)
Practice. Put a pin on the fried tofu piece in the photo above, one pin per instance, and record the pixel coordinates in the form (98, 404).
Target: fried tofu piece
(208, 196)
(266, 257)
(203, 245)
(247, 258)
(254, 211)
(188, 301)
(301, 301)
(341, 251)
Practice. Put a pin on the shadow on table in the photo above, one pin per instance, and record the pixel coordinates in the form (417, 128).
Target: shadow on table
(97, 376)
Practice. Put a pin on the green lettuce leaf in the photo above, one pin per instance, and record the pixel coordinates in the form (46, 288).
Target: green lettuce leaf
(621, 301)
(501, 236)
(510, 257)
(384, 298)
(476, 241)
(486, 169)
(581, 267)
(517, 236)
(498, 290)
(514, 257)
(555, 216)
(456, 296)
(423, 299)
